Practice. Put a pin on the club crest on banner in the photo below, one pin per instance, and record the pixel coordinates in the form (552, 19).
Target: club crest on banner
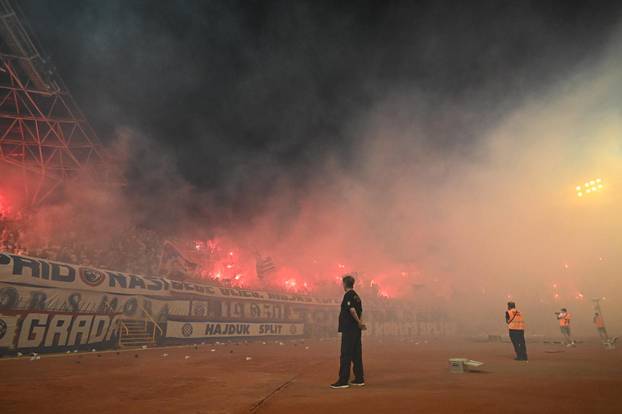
(92, 277)
(3, 328)
(186, 330)
(8, 324)
(199, 309)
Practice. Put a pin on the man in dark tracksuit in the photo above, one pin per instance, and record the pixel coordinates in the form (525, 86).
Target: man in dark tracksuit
(350, 326)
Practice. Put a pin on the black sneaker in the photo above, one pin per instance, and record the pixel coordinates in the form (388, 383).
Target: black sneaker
(340, 384)
(358, 383)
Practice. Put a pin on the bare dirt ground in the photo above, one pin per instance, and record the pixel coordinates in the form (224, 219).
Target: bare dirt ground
(294, 378)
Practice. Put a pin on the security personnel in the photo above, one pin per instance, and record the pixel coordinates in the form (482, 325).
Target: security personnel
(600, 326)
(350, 326)
(564, 318)
(516, 326)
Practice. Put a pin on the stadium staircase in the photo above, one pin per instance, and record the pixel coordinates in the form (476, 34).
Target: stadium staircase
(136, 333)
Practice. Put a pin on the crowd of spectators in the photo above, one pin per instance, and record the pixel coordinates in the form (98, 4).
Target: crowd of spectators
(10, 232)
(134, 250)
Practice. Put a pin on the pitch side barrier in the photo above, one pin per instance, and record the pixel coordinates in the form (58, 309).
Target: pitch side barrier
(52, 306)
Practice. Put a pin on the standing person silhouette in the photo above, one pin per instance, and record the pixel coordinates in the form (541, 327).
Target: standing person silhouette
(516, 326)
(564, 318)
(350, 326)
(600, 326)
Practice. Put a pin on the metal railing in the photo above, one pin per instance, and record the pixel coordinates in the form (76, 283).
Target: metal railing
(124, 327)
(155, 324)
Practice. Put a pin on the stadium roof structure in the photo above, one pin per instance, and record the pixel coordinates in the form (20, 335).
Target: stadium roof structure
(43, 133)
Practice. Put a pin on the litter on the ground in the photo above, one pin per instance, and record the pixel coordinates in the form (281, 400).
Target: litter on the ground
(461, 365)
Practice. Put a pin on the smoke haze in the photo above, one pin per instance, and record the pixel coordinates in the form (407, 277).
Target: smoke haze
(442, 182)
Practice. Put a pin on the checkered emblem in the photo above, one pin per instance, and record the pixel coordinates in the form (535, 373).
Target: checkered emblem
(3, 328)
(186, 330)
(199, 310)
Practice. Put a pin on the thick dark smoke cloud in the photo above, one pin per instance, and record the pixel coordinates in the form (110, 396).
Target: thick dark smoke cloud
(237, 94)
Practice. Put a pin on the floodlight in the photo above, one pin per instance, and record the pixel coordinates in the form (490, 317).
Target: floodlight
(590, 187)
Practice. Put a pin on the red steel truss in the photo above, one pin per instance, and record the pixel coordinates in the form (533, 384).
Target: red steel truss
(43, 133)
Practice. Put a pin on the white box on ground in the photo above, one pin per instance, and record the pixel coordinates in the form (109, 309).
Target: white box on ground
(460, 365)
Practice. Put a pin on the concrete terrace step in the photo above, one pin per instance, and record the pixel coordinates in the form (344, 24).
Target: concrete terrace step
(137, 341)
(136, 331)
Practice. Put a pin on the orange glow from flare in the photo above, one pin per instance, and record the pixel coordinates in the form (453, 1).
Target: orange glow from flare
(5, 208)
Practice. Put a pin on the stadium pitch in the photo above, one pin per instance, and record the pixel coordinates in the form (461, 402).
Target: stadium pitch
(293, 376)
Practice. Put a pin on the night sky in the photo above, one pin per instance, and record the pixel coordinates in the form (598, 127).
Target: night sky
(239, 93)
